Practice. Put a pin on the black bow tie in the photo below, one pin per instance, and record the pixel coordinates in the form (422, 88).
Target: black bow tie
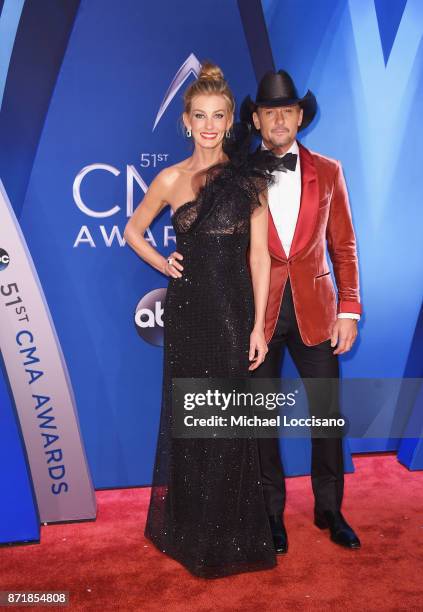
(290, 161)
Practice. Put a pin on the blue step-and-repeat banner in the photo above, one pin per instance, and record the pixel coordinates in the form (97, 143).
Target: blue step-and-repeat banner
(91, 100)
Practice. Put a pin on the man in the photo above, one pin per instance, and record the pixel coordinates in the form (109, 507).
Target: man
(308, 209)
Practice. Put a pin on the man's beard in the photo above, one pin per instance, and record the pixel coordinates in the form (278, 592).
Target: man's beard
(280, 141)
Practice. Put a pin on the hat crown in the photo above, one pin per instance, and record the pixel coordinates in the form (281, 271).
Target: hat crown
(276, 85)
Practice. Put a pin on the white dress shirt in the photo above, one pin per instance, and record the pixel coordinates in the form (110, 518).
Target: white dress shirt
(284, 198)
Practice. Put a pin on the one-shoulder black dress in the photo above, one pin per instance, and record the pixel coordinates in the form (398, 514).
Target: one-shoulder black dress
(207, 508)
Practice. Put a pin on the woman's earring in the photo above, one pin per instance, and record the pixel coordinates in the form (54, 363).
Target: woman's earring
(228, 133)
(188, 133)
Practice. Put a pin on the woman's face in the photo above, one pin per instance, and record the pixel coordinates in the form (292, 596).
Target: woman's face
(208, 120)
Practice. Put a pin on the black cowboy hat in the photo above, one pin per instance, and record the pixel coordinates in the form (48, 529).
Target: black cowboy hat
(278, 89)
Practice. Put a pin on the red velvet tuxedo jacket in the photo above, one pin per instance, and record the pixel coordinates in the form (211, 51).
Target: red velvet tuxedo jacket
(324, 218)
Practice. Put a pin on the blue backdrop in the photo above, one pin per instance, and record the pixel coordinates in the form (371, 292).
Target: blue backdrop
(78, 148)
(363, 60)
(19, 520)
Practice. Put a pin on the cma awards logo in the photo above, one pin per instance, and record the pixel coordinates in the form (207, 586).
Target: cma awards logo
(89, 235)
(149, 317)
(4, 259)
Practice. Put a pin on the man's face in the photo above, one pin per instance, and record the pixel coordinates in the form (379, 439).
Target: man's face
(278, 125)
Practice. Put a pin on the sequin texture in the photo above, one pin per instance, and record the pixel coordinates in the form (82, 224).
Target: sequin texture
(207, 508)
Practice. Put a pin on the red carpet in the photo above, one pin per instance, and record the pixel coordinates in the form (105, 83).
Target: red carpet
(108, 565)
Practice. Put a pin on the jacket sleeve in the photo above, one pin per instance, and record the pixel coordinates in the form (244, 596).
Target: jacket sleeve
(342, 247)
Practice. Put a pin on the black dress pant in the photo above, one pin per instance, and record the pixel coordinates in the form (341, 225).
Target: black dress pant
(327, 466)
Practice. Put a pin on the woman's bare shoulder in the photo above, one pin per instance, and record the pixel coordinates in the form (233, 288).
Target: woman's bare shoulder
(173, 181)
(171, 174)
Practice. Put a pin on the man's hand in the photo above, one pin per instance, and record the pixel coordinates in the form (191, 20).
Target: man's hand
(344, 333)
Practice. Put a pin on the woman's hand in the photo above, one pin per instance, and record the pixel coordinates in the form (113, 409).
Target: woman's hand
(173, 268)
(257, 344)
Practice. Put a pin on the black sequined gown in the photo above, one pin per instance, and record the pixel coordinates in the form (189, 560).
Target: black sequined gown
(207, 508)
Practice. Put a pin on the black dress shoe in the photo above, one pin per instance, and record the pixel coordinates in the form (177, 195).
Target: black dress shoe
(340, 531)
(280, 537)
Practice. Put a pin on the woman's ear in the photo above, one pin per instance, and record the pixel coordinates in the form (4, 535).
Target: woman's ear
(185, 120)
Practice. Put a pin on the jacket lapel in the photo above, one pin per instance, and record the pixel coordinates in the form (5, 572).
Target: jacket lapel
(275, 245)
(309, 202)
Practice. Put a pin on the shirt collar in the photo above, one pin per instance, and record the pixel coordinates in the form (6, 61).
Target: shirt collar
(292, 149)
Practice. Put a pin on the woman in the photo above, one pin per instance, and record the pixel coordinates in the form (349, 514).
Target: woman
(207, 509)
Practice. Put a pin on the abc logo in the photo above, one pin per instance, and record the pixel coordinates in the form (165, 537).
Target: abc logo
(149, 317)
(4, 259)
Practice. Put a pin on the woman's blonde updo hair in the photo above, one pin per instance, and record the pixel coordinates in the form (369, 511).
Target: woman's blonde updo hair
(210, 82)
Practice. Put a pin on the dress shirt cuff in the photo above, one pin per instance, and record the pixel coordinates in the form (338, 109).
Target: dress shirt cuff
(348, 315)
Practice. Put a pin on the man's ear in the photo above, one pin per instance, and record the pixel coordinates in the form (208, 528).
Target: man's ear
(300, 118)
(256, 120)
